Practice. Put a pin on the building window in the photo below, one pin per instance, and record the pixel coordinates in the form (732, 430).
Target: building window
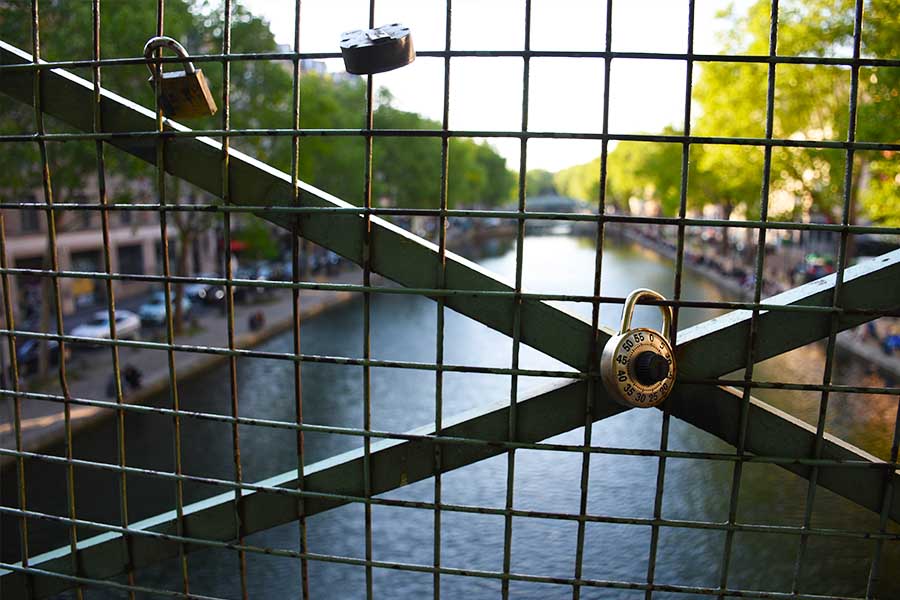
(131, 259)
(86, 215)
(31, 220)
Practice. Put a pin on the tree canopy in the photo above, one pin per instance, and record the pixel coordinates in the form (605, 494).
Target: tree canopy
(811, 102)
(407, 170)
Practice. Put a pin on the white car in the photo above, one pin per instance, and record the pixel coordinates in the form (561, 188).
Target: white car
(153, 312)
(128, 326)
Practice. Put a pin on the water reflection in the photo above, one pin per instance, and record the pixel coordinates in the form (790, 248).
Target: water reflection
(404, 329)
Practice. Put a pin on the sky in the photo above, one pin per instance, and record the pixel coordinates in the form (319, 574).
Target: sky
(566, 94)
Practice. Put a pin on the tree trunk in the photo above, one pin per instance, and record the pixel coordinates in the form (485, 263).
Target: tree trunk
(49, 306)
(860, 180)
(185, 240)
(727, 209)
(748, 256)
(43, 366)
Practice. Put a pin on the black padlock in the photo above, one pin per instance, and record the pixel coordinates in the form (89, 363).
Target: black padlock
(384, 48)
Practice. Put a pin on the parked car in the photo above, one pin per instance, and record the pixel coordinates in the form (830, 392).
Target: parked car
(153, 312)
(207, 293)
(244, 292)
(265, 272)
(194, 290)
(128, 326)
(28, 355)
(259, 272)
(282, 269)
(327, 262)
(211, 294)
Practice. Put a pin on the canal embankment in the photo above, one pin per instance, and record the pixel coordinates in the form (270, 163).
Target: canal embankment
(861, 343)
(89, 371)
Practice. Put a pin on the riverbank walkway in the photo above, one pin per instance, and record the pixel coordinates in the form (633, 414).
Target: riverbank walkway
(89, 370)
(866, 342)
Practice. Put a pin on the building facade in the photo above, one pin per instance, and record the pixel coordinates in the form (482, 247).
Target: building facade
(135, 248)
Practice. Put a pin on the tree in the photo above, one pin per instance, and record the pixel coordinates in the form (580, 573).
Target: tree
(648, 171)
(407, 169)
(581, 181)
(539, 182)
(261, 97)
(880, 197)
(66, 33)
(811, 102)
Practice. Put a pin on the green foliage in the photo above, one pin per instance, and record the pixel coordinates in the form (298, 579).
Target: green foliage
(257, 236)
(647, 171)
(407, 171)
(880, 197)
(581, 181)
(539, 182)
(811, 102)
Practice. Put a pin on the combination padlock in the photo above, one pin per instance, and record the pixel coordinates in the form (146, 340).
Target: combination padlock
(638, 365)
(368, 51)
(182, 94)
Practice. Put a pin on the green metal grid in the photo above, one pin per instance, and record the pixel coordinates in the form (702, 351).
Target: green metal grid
(706, 352)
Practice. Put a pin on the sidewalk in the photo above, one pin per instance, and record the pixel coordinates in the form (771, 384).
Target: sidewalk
(854, 341)
(89, 370)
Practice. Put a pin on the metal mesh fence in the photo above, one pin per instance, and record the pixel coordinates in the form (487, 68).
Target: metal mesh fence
(112, 563)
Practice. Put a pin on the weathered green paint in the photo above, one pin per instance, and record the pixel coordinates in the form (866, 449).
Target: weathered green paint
(708, 350)
(540, 416)
(395, 253)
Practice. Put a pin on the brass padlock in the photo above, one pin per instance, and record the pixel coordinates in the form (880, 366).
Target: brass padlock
(638, 365)
(182, 94)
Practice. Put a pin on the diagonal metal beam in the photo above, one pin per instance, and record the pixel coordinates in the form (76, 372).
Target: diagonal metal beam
(540, 416)
(773, 432)
(396, 463)
(395, 253)
(718, 346)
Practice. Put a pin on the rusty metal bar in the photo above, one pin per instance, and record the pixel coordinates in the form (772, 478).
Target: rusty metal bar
(517, 316)
(110, 295)
(440, 301)
(38, 96)
(296, 275)
(595, 318)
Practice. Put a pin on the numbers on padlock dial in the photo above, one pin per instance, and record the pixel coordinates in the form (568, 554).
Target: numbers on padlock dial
(632, 345)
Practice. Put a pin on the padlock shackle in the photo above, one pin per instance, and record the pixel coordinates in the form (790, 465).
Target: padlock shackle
(163, 41)
(632, 300)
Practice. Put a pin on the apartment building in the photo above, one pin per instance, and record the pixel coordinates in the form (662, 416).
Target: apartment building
(135, 248)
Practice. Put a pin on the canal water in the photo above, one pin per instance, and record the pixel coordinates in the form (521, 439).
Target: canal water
(403, 328)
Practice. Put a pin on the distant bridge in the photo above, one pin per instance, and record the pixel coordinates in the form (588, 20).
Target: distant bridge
(563, 205)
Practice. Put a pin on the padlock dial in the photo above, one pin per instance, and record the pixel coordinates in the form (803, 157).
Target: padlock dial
(650, 367)
(643, 368)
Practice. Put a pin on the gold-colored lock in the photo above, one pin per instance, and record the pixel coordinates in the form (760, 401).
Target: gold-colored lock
(638, 365)
(182, 94)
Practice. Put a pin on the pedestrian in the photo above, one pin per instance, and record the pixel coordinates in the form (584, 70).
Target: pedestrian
(257, 321)
(891, 344)
(872, 331)
(133, 377)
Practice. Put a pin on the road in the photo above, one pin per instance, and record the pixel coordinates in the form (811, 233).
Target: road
(89, 370)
